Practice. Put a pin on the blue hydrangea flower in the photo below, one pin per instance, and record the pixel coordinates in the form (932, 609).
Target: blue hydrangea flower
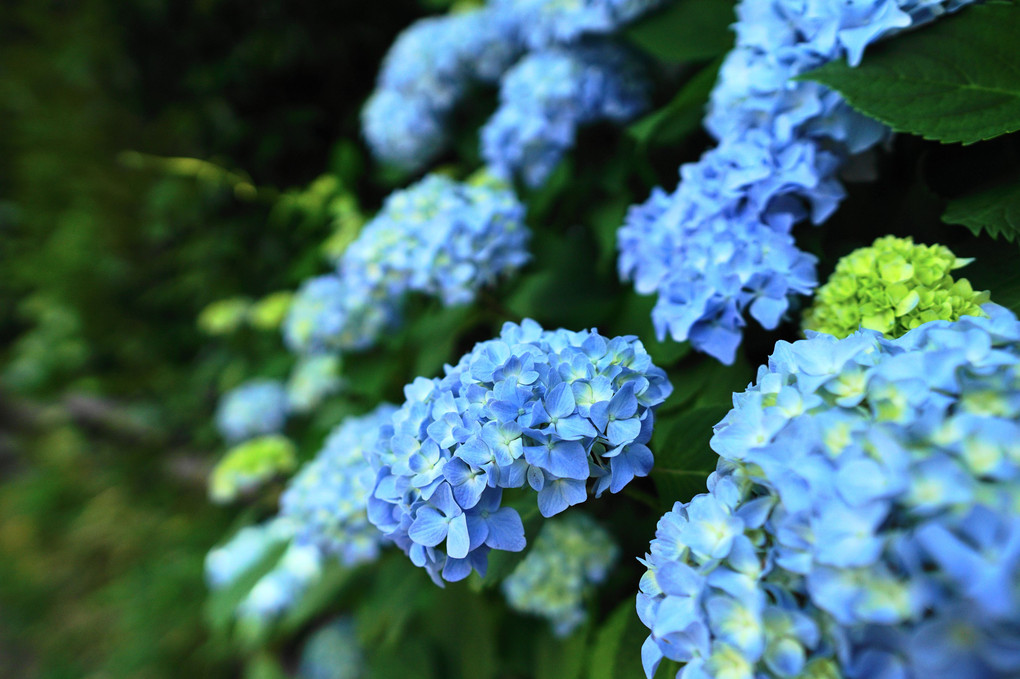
(255, 408)
(571, 555)
(428, 70)
(863, 519)
(719, 247)
(332, 652)
(280, 588)
(322, 516)
(552, 409)
(403, 131)
(225, 564)
(313, 378)
(548, 95)
(326, 500)
(329, 315)
(438, 237)
(548, 22)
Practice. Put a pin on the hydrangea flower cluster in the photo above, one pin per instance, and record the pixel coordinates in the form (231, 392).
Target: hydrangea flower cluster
(278, 590)
(547, 408)
(548, 95)
(429, 69)
(313, 378)
(322, 516)
(225, 564)
(439, 237)
(720, 245)
(326, 500)
(550, 22)
(332, 652)
(250, 464)
(863, 520)
(434, 63)
(257, 407)
(571, 555)
(893, 286)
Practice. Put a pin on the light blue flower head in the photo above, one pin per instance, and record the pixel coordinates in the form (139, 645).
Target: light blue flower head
(548, 22)
(570, 557)
(428, 70)
(403, 131)
(326, 500)
(228, 562)
(551, 409)
(326, 315)
(257, 407)
(719, 247)
(438, 237)
(864, 519)
(548, 95)
(322, 517)
(312, 379)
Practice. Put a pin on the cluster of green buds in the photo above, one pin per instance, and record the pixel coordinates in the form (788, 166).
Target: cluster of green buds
(893, 286)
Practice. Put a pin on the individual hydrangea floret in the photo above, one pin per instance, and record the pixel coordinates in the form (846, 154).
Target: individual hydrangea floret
(571, 555)
(332, 652)
(720, 246)
(551, 409)
(548, 95)
(548, 22)
(326, 500)
(250, 464)
(893, 286)
(255, 408)
(863, 519)
(313, 378)
(430, 67)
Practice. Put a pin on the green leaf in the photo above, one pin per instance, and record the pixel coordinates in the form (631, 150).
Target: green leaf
(322, 594)
(680, 117)
(957, 80)
(996, 211)
(466, 631)
(687, 30)
(683, 458)
(561, 658)
(616, 651)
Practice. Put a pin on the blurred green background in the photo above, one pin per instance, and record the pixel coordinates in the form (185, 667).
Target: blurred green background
(108, 251)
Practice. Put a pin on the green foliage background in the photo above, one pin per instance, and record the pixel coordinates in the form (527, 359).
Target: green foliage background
(159, 156)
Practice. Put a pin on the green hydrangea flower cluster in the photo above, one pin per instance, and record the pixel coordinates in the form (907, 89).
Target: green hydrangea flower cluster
(571, 555)
(893, 286)
(250, 464)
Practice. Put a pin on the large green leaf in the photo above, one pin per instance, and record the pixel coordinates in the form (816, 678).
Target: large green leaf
(683, 458)
(687, 30)
(616, 651)
(995, 211)
(957, 80)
